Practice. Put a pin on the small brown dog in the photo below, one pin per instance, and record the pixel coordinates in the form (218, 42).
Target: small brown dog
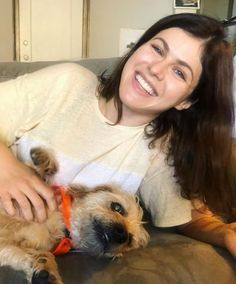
(102, 221)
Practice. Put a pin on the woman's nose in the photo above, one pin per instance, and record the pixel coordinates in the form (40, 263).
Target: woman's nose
(158, 69)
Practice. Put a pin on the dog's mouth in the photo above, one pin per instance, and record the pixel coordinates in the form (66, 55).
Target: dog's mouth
(102, 234)
(111, 235)
(105, 238)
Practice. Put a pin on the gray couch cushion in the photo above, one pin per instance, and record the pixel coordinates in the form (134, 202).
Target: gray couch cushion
(170, 258)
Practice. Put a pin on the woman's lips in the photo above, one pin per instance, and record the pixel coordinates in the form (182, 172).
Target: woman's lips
(145, 86)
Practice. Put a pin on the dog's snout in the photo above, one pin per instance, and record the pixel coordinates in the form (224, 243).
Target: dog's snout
(115, 233)
(119, 234)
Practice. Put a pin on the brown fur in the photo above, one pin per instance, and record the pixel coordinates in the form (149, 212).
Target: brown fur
(97, 227)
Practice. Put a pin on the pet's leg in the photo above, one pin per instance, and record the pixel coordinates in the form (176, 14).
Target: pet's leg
(43, 163)
(39, 267)
(16, 258)
(44, 268)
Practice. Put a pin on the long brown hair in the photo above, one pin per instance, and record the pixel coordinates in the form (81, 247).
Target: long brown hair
(199, 138)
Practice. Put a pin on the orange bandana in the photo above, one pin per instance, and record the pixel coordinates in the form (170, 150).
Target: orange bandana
(65, 244)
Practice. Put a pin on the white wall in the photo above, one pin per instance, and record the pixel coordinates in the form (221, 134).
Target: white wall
(107, 17)
(6, 31)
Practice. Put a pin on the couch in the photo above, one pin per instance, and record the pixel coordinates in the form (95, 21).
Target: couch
(170, 258)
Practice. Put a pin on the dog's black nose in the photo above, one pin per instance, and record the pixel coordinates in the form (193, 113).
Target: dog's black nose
(119, 233)
(110, 234)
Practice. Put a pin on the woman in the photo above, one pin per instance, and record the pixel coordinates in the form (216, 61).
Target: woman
(162, 124)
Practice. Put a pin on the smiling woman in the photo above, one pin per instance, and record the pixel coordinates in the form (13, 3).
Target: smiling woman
(160, 125)
(161, 74)
(177, 80)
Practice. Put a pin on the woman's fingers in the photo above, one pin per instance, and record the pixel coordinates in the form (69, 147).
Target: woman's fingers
(32, 198)
(39, 197)
(46, 193)
(24, 205)
(16, 203)
(21, 191)
(8, 204)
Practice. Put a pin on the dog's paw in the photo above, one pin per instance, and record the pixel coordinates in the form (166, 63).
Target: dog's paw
(43, 268)
(43, 162)
(44, 277)
(113, 256)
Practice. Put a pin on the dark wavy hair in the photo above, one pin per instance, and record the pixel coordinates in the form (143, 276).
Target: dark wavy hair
(199, 138)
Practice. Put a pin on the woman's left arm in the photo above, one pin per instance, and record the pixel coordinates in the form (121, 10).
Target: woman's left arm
(209, 228)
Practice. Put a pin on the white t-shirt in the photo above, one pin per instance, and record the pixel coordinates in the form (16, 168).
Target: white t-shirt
(57, 107)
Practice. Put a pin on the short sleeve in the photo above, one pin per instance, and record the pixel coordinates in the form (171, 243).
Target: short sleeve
(26, 100)
(161, 195)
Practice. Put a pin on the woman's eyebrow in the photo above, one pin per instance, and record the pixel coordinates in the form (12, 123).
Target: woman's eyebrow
(166, 46)
(179, 61)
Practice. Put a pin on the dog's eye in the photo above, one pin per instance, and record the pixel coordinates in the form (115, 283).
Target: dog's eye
(117, 207)
(137, 199)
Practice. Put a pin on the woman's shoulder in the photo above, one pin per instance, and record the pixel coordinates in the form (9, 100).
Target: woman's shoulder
(57, 78)
(159, 160)
(68, 69)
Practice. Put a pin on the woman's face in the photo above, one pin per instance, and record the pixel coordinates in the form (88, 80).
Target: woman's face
(161, 74)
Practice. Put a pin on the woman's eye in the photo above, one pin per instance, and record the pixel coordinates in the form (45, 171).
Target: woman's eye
(179, 73)
(157, 49)
(117, 207)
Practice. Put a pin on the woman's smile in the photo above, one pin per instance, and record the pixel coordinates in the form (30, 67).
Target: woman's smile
(160, 75)
(145, 86)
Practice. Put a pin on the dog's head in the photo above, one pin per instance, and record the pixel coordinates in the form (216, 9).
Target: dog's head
(106, 221)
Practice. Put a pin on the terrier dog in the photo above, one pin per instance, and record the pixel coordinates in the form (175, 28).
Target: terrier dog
(102, 221)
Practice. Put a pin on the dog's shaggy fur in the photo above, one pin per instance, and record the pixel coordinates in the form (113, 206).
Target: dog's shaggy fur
(104, 222)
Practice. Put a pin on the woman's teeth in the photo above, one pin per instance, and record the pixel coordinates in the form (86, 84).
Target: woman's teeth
(147, 88)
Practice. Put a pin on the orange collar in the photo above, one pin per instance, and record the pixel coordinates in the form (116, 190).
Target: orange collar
(65, 244)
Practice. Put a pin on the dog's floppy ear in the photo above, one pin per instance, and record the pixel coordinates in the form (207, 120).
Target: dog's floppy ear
(103, 187)
(78, 191)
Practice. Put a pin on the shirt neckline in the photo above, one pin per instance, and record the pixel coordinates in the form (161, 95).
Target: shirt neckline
(108, 122)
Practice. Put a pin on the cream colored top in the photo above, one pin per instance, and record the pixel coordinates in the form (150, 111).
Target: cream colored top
(56, 107)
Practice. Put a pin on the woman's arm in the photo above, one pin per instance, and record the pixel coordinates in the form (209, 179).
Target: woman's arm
(24, 104)
(209, 228)
(20, 184)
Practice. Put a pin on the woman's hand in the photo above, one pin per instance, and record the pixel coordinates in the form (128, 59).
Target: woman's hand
(230, 238)
(21, 190)
(209, 228)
